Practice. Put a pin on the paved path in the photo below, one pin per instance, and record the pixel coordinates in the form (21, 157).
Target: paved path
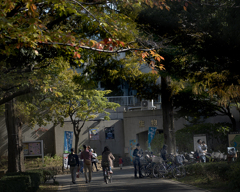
(123, 180)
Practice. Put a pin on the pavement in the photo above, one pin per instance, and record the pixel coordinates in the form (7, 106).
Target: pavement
(123, 180)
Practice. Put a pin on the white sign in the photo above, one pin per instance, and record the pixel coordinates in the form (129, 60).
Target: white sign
(195, 139)
(65, 161)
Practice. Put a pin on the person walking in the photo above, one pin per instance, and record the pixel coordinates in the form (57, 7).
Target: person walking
(87, 156)
(94, 159)
(74, 165)
(136, 161)
(80, 161)
(120, 162)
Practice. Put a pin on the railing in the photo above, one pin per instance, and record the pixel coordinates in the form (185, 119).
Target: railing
(123, 100)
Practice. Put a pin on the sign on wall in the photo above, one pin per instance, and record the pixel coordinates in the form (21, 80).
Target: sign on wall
(33, 148)
(68, 139)
(234, 141)
(94, 134)
(109, 133)
(151, 133)
(25, 149)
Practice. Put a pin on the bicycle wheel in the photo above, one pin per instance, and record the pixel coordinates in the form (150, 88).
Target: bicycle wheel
(145, 170)
(179, 172)
(156, 170)
(106, 177)
(148, 170)
(110, 178)
(162, 170)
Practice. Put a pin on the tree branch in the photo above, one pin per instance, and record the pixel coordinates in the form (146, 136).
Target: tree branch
(16, 94)
(75, 1)
(95, 49)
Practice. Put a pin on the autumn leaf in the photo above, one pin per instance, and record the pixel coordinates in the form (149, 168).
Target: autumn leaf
(185, 8)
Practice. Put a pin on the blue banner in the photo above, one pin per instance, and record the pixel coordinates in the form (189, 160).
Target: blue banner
(68, 139)
(151, 133)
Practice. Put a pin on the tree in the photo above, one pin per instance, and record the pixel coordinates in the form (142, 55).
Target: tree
(199, 45)
(201, 106)
(35, 34)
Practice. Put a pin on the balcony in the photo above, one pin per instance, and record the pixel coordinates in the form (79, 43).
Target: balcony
(124, 100)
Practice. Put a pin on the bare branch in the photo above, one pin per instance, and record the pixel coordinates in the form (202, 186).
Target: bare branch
(95, 49)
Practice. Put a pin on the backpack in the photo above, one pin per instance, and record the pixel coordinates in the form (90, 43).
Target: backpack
(72, 160)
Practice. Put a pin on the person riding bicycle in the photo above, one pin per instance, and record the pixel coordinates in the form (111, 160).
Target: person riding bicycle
(107, 159)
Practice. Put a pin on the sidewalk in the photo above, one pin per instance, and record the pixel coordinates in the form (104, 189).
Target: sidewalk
(66, 185)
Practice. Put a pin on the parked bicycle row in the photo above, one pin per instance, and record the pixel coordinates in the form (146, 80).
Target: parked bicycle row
(169, 165)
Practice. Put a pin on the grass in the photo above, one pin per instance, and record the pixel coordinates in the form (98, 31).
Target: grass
(204, 182)
(48, 187)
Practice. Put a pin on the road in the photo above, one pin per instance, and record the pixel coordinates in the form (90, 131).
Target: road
(123, 180)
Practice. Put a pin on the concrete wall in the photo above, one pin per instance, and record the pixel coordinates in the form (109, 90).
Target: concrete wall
(125, 130)
(29, 134)
(115, 145)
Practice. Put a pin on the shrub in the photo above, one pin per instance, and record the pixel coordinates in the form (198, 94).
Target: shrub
(20, 183)
(48, 174)
(234, 175)
(195, 169)
(37, 176)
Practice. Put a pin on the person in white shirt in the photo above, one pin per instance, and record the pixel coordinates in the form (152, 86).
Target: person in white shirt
(94, 159)
(201, 152)
(80, 161)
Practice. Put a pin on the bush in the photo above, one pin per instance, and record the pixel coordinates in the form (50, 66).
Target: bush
(233, 176)
(195, 169)
(20, 183)
(37, 177)
(48, 174)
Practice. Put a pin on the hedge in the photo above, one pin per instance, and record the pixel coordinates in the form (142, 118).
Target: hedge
(220, 170)
(20, 183)
(36, 177)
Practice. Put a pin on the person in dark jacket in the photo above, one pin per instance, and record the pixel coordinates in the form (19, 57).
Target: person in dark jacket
(136, 161)
(164, 152)
(73, 161)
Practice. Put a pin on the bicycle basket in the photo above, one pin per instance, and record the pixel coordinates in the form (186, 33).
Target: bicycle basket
(157, 159)
(179, 160)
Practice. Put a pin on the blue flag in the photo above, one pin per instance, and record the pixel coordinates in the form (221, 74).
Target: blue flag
(151, 133)
(68, 139)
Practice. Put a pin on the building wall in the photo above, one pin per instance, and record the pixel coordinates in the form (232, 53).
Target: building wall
(126, 126)
(115, 145)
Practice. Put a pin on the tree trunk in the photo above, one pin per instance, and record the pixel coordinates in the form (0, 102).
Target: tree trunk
(15, 148)
(168, 118)
(76, 142)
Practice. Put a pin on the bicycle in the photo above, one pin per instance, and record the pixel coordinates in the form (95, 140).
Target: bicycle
(169, 168)
(163, 169)
(107, 175)
(147, 167)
